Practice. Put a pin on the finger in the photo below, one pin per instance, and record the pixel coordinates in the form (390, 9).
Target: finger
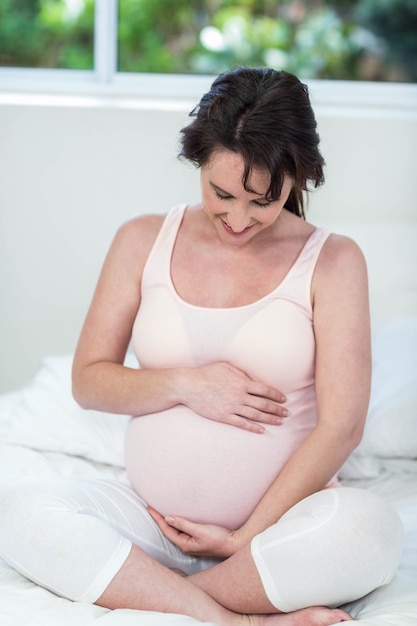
(264, 391)
(186, 542)
(177, 537)
(181, 539)
(252, 419)
(240, 421)
(262, 409)
(182, 525)
(156, 515)
(160, 520)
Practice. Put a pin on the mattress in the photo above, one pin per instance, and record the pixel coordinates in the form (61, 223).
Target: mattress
(42, 430)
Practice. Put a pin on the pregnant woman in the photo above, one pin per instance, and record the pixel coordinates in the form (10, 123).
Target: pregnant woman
(251, 327)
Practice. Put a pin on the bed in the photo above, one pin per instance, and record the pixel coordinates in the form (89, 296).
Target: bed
(42, 430)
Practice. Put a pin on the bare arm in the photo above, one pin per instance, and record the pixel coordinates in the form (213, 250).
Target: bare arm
(100, 380)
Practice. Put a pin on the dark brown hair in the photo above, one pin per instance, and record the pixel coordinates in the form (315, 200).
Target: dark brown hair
(265, 116)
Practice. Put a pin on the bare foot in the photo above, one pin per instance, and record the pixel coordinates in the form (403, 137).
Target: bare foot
(312, 616)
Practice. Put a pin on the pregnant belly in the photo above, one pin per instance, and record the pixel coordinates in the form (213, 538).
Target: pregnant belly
(183, 464)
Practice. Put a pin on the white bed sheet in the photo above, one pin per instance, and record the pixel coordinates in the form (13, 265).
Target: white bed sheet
(42, 430)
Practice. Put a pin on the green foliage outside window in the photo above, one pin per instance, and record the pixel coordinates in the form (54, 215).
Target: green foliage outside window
(46, 33)
(341, 39)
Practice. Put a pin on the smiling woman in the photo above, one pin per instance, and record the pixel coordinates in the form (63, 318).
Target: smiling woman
(242, 410)
(276, 137)
(238, 210)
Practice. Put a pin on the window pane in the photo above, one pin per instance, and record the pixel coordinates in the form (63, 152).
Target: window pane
(341, 39)
(47, 33)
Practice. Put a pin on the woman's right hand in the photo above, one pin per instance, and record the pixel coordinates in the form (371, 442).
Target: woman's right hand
(224, 393)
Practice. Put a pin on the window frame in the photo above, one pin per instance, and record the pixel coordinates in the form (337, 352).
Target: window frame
(106, 81)
(104, 78)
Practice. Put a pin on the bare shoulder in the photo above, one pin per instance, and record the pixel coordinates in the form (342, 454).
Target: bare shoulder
(341, 271)
(137, 236)
(340, 254)
(130, 249)
(142, 228)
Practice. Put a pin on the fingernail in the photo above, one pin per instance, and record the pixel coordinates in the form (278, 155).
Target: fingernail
(286, 412)
(170, 519)
(278, 422)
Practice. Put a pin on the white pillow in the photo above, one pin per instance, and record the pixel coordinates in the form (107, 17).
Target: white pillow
(47, 418)
(391, 427)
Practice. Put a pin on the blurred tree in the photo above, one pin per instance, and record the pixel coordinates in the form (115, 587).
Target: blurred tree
(19, 28)
(394, 22)
(341, 39)
(46, 33)
(157, 36)
(68, 33)
(316, 43)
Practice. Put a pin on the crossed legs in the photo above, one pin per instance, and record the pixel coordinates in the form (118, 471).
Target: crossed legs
(94, 541)
(142, 583)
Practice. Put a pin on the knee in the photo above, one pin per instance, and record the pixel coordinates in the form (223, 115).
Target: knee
(376, 528)
(336, 546)
(24, 501)
(360, 526)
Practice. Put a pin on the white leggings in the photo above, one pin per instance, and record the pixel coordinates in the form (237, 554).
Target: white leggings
(73, 536)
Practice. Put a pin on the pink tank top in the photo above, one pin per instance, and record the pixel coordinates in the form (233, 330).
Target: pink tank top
(185, 464)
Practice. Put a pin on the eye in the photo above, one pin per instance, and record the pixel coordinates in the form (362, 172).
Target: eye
(262, 204)
(221, 197)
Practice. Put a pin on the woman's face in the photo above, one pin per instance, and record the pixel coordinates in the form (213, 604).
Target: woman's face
(238, 215)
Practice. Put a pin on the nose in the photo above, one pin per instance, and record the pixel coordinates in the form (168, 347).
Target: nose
(238, 219)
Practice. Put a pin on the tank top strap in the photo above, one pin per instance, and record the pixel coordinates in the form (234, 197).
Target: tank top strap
(157, 266)
(297, 284)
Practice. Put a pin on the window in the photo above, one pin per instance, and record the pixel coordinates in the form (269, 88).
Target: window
(339, 39)
(35, 33)
(105, 41)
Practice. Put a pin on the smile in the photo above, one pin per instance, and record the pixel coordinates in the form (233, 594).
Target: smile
(230, 230)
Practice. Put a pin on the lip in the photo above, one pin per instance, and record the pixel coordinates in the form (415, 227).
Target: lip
(229, 230)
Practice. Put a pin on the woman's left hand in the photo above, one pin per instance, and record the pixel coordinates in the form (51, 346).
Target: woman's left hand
(197, 539)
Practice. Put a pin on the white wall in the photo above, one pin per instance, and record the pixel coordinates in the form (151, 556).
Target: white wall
(71, 170)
